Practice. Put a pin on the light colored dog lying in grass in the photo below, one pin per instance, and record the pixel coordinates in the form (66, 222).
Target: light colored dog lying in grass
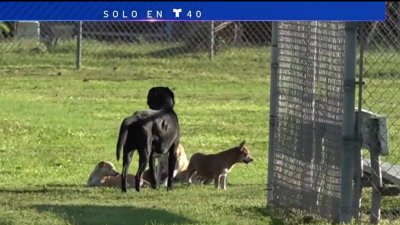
(217, 166)
(105, 174)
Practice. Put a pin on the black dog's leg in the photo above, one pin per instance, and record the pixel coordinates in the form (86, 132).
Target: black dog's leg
(127, 158)
(153, 172)
(171, 164)
(143, 158)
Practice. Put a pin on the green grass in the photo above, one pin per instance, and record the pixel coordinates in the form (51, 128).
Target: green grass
(56, 123)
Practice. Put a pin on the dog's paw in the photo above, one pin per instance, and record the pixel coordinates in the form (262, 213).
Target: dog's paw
(137, 188)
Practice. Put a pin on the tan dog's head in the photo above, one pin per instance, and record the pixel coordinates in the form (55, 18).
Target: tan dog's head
(105, 168)
(244, 153)
(102, 169)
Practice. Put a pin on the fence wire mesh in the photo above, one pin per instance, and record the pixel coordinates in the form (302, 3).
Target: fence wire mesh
(306, 170)
(380, 68)
(113, 40)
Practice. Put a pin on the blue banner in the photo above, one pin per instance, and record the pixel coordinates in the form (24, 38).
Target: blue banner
(192, 11)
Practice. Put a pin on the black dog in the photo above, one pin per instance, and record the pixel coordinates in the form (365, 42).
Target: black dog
(151, 131)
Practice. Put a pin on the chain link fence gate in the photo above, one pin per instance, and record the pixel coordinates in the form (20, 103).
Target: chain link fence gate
(306, 142)
(305, 156)
(24, 42)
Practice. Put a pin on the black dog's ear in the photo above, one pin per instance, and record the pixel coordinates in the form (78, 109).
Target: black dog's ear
(173, 97)
(241, 145)
(171, 92)
(101, 164)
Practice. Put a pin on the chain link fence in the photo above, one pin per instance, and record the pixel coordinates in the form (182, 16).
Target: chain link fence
(379, 64)
(113, 40)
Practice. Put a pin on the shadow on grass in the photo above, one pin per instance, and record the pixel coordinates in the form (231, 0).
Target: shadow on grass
(260, 211)
(71, 189)
(24, 190)
(112, 215)
(43, 189)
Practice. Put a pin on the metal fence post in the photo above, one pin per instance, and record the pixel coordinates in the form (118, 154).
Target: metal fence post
(376, 172)
(79, 45)
(212, 41)
(273, 108)
(168, 31)
(348, 125)
(358, 170)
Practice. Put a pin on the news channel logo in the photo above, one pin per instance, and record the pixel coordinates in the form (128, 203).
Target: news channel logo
(150, 14)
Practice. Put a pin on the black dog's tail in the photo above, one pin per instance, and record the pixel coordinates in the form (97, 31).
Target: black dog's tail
(123, 133)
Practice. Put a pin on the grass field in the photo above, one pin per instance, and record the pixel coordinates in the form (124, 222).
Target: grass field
(56, 123)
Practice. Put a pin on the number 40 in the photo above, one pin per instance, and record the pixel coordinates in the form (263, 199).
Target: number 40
(197, 14)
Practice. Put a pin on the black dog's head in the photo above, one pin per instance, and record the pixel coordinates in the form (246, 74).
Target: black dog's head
(160, 97)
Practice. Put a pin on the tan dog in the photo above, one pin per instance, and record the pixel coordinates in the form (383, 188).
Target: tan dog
(102, 169)
(217, 166)
(105, 175)
(181, 165)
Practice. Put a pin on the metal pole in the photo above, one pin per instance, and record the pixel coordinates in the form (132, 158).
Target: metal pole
(79, 46)
(168, 31)
(376, 172)
(273, 109)
(348, 124)
(358, 165)
(212, 41)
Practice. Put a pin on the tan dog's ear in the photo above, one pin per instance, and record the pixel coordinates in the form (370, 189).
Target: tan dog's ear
(179, 151)
(178, 154)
